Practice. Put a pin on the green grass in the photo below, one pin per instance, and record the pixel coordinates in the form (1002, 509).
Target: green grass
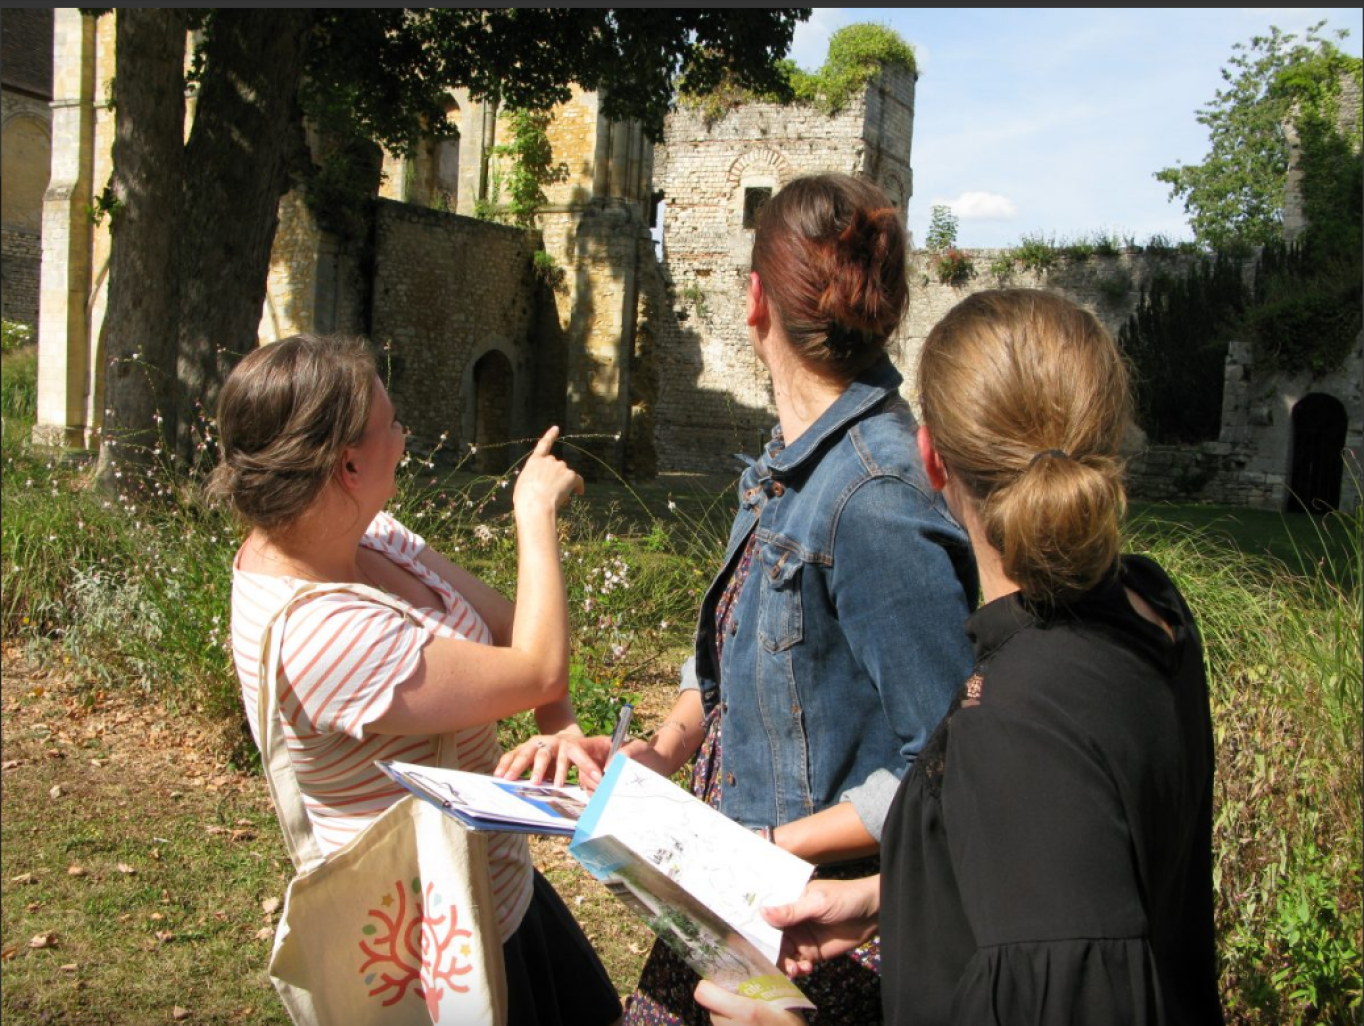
(131, 595)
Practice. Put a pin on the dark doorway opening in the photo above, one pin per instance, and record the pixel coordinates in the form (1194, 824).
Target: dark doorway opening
(1319, 423)
(492, 413)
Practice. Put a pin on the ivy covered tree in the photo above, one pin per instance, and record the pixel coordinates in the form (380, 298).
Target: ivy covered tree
(1235, 197)
(193, 220)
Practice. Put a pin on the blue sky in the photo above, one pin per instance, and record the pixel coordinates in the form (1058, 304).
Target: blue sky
(1054, 121)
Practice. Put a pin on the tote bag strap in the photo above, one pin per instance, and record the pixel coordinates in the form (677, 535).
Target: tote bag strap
(279, 766)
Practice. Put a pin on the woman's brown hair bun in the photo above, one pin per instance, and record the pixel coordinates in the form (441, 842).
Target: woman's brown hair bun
(830, 252)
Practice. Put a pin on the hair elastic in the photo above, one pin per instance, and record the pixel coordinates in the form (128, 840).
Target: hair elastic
(1060, 454)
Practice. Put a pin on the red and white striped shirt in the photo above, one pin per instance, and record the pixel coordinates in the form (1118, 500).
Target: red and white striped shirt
(343, 656)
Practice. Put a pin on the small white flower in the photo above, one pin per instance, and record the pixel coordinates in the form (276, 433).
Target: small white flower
(672, 506)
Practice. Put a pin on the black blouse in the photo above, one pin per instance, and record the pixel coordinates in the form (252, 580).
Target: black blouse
(1049, 858)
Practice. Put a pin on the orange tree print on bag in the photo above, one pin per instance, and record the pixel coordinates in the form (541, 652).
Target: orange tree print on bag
(423, 962)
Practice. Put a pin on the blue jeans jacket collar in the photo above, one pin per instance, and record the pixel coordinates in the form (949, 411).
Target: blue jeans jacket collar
(865, 393)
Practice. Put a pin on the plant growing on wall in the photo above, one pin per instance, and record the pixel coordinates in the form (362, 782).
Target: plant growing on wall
(529, 164)
(1036, 253)
(856, 55)
(1176, 341)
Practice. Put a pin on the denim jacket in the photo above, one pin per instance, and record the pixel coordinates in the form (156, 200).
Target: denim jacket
(847, 640)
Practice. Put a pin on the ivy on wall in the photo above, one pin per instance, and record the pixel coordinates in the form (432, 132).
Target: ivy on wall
(856, 55)
(1176, 343)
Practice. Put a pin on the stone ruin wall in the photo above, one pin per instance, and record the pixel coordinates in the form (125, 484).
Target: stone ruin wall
(446, 291)
(649, 364)
(714, 397)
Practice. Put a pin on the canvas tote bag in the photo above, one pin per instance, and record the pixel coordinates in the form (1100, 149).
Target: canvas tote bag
(398, 927)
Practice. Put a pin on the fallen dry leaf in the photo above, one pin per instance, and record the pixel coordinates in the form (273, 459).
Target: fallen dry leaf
(265, 933)
(243, 835)
(24, 878)
(76, 871)
(215, 829)
(123, 867)
(33, 906)
(56, 791)
(10, 764)
(70, 967)
(164, 936)
(44, 940)
(270, 905)
(180, 1014)
(156, 854)
(157, 917)
(8, 953)
(98, 763)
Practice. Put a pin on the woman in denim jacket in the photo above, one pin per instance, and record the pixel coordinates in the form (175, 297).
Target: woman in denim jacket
(831, 640)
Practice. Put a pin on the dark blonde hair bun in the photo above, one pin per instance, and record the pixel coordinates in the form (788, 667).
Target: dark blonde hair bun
(1027, 400)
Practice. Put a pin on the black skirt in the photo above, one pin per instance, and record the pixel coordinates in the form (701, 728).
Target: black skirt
(554, 978)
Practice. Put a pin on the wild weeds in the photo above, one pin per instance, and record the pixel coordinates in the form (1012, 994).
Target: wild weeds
(1283, 654)
(134, 589)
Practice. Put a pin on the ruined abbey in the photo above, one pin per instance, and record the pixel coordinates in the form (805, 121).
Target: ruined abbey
(636, 346)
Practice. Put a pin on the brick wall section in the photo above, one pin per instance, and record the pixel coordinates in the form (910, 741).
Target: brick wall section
(26, 49)
(21, 267)
(446, 290)
(714, 397)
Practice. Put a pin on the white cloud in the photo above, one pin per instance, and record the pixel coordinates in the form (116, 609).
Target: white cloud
(981, 206)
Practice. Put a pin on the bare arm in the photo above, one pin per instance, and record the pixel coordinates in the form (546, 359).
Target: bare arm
(494, 607)
(458, 684)
(834, 834)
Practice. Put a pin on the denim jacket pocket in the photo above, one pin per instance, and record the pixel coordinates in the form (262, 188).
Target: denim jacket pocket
(780, 620)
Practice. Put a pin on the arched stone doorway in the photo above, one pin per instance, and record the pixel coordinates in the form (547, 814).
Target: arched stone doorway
(1319, 423)
(492, 412)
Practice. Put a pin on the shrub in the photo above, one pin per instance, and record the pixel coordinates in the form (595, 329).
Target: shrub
(953, 267)
(1036, 253)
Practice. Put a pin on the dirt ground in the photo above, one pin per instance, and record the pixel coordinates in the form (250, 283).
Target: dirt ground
(142, 875)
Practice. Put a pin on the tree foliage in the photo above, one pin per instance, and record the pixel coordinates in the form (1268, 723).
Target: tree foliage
(1176, 342)
(1235, 198)
(362, 77)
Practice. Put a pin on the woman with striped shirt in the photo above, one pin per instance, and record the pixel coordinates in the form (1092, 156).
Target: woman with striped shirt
(310, 446)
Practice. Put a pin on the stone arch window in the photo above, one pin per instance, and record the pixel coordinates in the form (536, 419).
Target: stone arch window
(1319, 424)
(447, 162)
(492, 412)
(753, 178)
(26, 155)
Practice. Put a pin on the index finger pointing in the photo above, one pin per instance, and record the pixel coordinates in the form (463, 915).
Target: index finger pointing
(546, 441)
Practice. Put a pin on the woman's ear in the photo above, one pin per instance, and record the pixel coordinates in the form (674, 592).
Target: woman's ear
(757, 302)
(933, 464)
(347, 470)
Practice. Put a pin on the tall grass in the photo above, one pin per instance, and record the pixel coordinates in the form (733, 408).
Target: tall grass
(1283, 647)
(135, 592)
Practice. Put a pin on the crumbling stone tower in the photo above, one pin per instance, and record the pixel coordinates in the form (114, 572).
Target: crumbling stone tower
(714, 398)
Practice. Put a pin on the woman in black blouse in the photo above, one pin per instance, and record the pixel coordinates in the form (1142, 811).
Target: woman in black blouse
(1049, 858)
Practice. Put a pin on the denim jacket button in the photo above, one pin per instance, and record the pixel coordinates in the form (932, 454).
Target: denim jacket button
(724, 707)
(778, 488)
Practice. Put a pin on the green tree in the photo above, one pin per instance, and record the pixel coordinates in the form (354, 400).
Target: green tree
(196, 267)
(1235, 198)
(942, 228)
